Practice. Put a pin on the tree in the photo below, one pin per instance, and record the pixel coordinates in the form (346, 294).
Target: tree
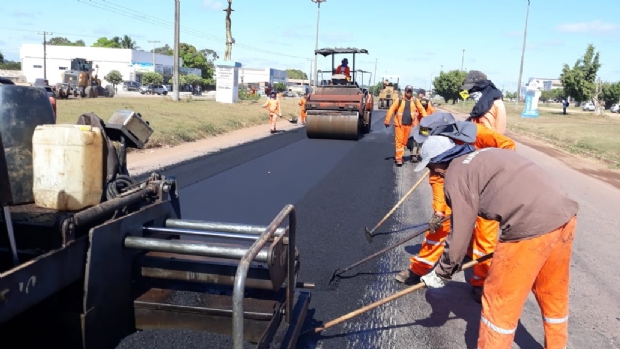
(375, 90)
(128, 42)
(580, 81)
(546, 96)
(115, 42)
(9, 65)
(164, 50)
(1, 58)
(192, 58)
(610, 94)
(209, 54)
(296, 74)
(114, 77)
(60, 41)
(448, 85)
(151, 78)
(280, 87)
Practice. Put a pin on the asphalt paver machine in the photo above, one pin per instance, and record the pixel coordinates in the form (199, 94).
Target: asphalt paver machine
(97, 277)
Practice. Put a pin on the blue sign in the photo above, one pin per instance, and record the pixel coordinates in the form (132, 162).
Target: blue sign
(530, 109)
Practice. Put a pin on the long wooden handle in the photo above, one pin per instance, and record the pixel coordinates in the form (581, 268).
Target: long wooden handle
(400, 202)
(392, 297)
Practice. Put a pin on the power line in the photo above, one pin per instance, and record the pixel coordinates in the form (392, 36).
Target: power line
(143, 17)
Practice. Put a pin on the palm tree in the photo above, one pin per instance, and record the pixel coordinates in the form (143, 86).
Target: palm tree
(127, 42)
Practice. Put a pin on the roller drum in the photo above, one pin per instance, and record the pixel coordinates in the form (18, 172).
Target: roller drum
(333, 125)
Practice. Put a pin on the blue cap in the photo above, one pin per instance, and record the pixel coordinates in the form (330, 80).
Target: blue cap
(431, 125)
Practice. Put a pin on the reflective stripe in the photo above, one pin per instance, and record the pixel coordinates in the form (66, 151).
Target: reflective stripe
(477, 277)
(481, 254)
(424, 261)
(551, 320)
(432, 242)
(495, 328)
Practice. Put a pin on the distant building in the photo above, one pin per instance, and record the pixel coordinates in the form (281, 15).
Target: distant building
(548, 84)
(132, 64)
(261, 76)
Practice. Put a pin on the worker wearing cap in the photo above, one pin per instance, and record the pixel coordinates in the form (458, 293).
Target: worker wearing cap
(302, 105)
(273, 106)
(534, 250)
(489, 110)
(485, 232)
(426, 103)
(407, 113)
(343, 68)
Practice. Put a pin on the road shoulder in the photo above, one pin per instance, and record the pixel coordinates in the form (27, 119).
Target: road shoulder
(149, 160)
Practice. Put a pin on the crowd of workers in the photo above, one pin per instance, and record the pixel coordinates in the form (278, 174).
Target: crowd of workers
(486, 199)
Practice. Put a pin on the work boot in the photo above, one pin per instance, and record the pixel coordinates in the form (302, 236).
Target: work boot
(477, 293)
(408, 277)
(399, 163)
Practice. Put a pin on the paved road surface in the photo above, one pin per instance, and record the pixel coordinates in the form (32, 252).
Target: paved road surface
(338, 187)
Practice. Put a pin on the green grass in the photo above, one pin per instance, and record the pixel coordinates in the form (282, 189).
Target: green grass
(177, 122)
(579, 132)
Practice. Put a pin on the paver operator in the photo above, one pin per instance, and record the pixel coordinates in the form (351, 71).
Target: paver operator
(489, 109)
(273, 106)
(407, 113)
(533, 253)
(486, 231)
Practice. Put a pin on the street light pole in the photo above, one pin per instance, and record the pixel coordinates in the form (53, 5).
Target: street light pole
(316, 44)
(153, 42)
(463, 60)
(527, 15)
(374, 82)
(175, 66)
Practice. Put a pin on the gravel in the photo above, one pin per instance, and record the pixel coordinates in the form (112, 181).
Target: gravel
(181, 339)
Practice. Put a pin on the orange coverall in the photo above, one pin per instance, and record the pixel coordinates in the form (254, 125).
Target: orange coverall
(495, 118)
(401, 132)
(346, 71)
(486, 231)
(302, 104)
(429, 108)
(273, 106)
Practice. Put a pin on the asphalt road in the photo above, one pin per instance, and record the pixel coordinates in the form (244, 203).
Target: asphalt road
(338, 187)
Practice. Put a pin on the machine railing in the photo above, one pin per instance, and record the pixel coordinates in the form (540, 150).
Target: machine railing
(244, 265)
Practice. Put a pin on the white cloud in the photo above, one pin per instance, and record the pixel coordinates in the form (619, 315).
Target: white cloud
(212, 5)
(594, 27)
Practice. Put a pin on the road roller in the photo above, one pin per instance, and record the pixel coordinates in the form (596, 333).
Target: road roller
(106, 261)
(339, 108)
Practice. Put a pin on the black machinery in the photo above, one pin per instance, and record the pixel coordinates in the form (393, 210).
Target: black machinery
(89, 279)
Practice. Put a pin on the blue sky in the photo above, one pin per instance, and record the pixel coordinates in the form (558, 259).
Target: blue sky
(412, 39)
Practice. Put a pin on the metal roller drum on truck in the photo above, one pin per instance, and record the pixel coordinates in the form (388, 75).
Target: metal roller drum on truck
(98, 259)
(339, 108)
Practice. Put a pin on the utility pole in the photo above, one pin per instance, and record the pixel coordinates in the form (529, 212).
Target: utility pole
(45, 34)
(522, 55)
(153, 42)
(177, 29)
(374, 82)
(316, 44)
(310, 75)
(463, 60)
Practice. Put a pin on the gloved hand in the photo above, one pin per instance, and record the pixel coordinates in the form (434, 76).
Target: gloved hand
(432, 280)
(435, 222)
(387, 125)
(280, 115)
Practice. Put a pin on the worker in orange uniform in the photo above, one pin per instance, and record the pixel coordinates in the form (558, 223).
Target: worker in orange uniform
(426, 103)
(302, 105)
(489, 109)
(407, 113)
(273, 106)
(343, 68)
(538, 223)
(486, 231)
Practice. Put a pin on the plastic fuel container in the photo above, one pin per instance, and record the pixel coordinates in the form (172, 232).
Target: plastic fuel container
(68, 166)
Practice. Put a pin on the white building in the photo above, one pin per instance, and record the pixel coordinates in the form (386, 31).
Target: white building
(130, 63)
(261, 76)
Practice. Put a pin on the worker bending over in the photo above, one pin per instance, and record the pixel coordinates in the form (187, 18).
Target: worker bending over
(408, 112)
(426, 103)
(273, 106)
(343, 68)
(534, 250)
(302, 105)
(485, 233)
(489, 109)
